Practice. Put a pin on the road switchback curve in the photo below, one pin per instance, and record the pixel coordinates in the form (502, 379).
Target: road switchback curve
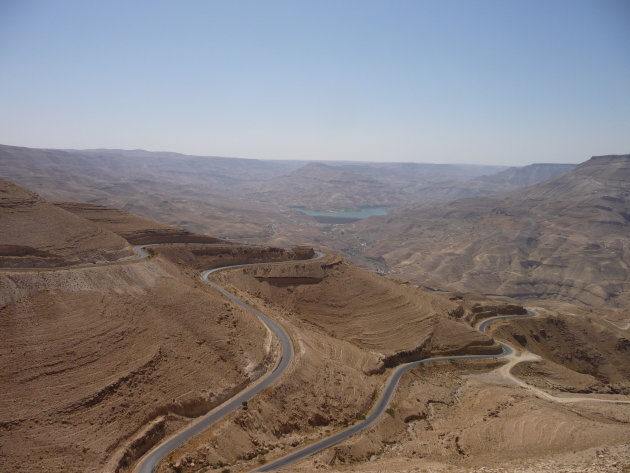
(151, 460)
(381, 405)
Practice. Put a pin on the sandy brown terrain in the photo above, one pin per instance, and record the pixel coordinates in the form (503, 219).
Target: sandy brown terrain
(470, 416)
(428, 417)
(241, 199)
(566, 238)
(194, 193)
(135, 229)
(379, 315)
(99, 363)
(37, 233)
(102, 363)
(448, 421)
(457, 416)
(431, 184)
(593, 460)
(91, 356)
(585, 346)
(581, 350)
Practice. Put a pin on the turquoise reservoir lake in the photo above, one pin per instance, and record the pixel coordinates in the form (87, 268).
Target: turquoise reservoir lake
(363, 212)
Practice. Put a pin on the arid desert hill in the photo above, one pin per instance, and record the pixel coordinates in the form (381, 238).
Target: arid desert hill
(526, 175)
(95, 357)
(241, 199)
(36, 232)
(135, 229)
(100, 362)
(191, 192)
(444, 417)
(443, 183)
(319, 186)
(335, 187)
(567, 238)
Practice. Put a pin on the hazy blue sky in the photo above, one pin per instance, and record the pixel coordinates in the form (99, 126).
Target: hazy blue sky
(509, 82)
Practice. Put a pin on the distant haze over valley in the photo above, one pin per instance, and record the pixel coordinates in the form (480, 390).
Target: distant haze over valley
(315, 236)
(141, 346)
(446, 225)
(542, 230)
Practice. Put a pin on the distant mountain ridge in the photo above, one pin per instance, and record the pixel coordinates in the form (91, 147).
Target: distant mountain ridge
(322, 187)
(567, 237)
(527, 175)
(244, 199)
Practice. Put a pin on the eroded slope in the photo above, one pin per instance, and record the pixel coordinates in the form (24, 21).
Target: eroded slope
(566, 238)
(37, 233)
(379, 315)
(90, 356)
(135, 229)
(348, 326)
(469, 417)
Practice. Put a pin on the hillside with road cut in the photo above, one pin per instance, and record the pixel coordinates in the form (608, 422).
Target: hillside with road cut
(276, 423)
(188, 352)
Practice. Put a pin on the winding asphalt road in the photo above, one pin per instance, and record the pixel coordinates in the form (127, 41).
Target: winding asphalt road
(140, 251)
(149, 462)
(381, 405)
